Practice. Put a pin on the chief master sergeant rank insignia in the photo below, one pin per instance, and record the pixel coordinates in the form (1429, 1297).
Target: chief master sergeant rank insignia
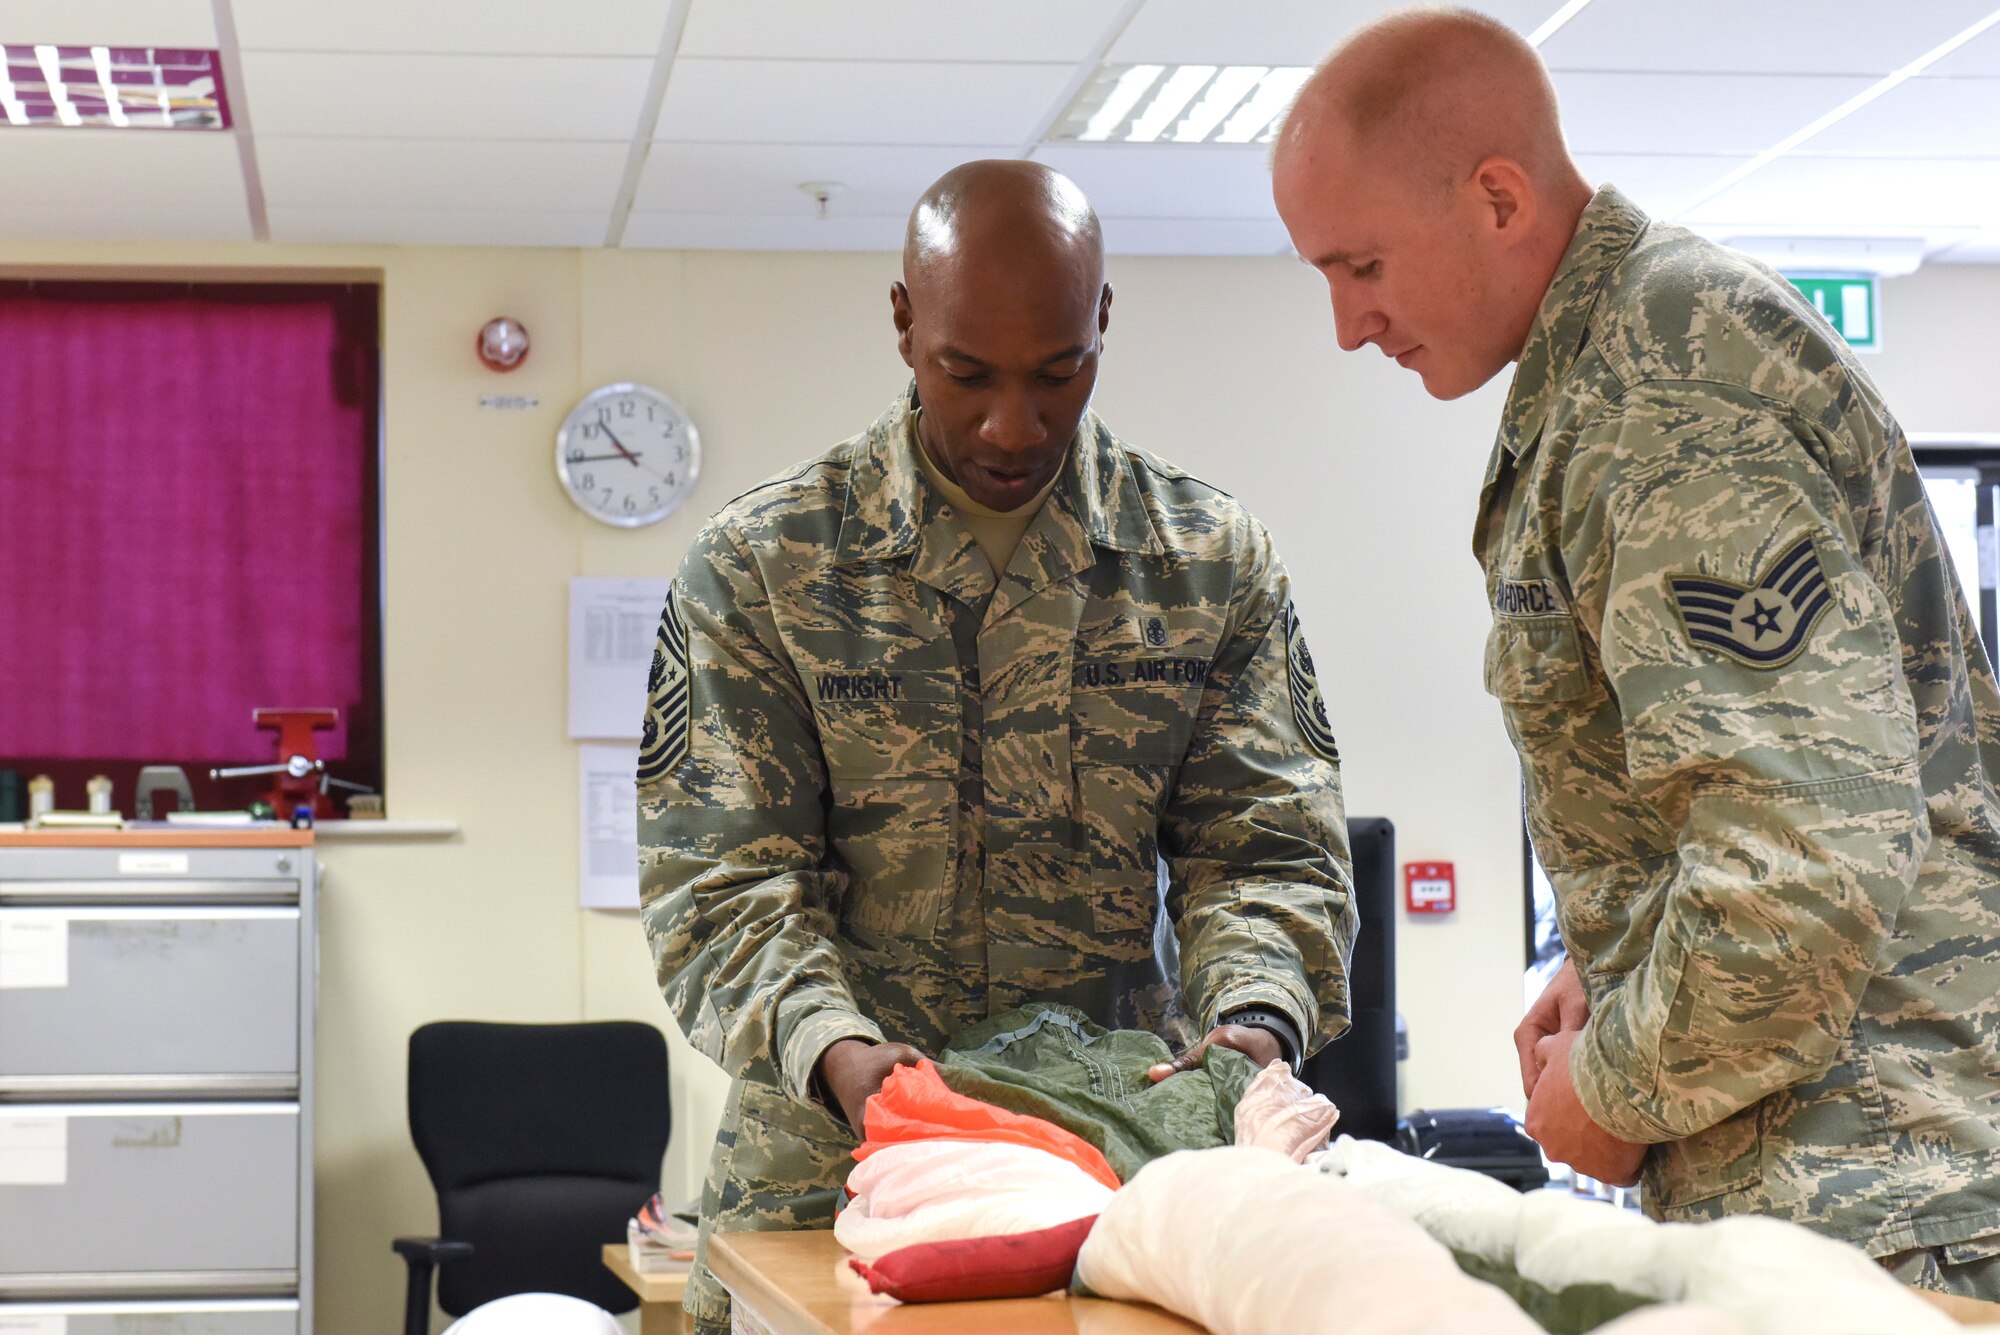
(1308, 705)
(664, 743)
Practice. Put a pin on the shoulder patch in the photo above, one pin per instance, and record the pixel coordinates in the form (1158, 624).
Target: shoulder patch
(664, 743)
(1308, 705)
(1765, 625)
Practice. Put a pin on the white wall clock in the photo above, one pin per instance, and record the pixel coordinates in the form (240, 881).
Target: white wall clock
(628, 455)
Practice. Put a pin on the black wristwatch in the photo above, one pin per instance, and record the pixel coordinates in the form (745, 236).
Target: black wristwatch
(1290, 1044)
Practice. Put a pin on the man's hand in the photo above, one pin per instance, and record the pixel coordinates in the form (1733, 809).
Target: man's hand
(1259, 1045)
(1557, 1121)
(853, 1069)
(1561, 1009)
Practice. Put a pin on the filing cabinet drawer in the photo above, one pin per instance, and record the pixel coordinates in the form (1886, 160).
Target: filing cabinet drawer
(279, 1316)
(99, 1193)
(149, 991)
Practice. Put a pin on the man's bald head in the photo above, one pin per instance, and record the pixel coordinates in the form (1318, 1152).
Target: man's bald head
(1431, 93)
(1001, 315)
(1003, 211)
(1422, 171)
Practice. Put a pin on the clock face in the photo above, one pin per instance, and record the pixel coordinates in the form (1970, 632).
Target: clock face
(628, 455)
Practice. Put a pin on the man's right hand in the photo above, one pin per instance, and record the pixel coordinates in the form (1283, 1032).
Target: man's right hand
(853, 1069)
(1562, 1008)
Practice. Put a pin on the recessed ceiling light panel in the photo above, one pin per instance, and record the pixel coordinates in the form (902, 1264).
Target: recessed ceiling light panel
(1180, 104)
(111, 87)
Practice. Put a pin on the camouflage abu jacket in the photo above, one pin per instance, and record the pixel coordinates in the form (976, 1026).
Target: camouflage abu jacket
(1759, 737)
(884, 793)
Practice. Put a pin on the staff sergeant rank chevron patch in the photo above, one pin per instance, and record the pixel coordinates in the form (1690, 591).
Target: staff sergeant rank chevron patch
(664, 743)
(1308, 705)
(1761, 627)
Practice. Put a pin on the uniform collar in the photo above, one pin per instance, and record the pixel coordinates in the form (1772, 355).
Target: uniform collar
(1609, 226)
(892, 510)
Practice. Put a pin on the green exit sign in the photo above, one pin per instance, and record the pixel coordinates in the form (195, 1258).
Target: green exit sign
(1851, 304)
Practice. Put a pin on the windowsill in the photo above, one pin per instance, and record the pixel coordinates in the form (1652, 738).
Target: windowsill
(352, 831)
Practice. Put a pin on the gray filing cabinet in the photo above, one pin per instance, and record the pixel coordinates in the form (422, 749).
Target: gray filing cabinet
(156, 1029)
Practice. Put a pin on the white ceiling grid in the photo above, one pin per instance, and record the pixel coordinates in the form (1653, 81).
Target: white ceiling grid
(691, 123)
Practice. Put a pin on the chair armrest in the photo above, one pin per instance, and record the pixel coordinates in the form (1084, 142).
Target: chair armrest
(435, 1251)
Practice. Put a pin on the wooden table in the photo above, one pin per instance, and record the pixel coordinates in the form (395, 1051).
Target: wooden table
(799, 1284)
(659, 1294)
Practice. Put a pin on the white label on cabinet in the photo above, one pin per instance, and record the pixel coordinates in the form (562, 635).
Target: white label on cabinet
(34, 950)
(34, 1325)
(34, 1151)
(152, 864)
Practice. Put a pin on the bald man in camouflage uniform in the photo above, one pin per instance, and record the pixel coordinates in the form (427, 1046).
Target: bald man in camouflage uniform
(886, 793)
(1758, 730)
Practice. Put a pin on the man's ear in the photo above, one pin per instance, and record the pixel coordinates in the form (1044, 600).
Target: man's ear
(1104, 311)
(905, 320)
(1506, 197)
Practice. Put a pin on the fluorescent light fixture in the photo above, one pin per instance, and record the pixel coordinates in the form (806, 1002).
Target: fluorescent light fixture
(1257, 117)
(1125, 95)
(1840, 113)
(1181, 104)
(100, 56)
(1174, 95)
(1218, 101)
(1555, 21)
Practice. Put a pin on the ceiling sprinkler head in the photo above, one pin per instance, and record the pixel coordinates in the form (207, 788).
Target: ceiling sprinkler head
(822, 193)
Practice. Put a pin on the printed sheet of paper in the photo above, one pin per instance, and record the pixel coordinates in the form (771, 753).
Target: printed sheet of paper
(34, 949)
(608, 826)
(34, 1150)
(613, 624)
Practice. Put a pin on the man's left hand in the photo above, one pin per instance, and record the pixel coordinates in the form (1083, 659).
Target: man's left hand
(1259, 1045)
(1557, 1121)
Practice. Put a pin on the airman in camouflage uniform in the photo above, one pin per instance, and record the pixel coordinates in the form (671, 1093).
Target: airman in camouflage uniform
(1758, 731)
(887, 793)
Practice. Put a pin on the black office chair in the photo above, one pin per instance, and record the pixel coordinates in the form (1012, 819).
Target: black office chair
(541, 1140)
(1358, 1069)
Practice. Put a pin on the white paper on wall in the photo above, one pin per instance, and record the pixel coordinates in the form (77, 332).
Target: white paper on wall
(608, 826)
(34, 949)
(34, 1324)
(34, 1150)
(613, 625)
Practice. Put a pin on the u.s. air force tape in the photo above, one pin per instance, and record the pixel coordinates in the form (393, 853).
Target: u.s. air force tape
(1308, 705)
(664, 742)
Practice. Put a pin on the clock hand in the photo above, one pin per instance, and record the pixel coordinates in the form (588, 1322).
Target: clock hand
(618, 444)
(600, 458)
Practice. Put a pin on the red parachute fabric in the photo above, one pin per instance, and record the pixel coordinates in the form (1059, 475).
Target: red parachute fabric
(1005, 1265)
(916, 1104)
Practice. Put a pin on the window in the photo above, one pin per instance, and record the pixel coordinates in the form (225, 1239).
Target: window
(189, 495)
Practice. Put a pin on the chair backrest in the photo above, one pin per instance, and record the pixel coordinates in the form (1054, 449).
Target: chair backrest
(541, 1140)
(1358, 1069)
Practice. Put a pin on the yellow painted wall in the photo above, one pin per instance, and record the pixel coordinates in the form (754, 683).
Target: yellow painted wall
(1226, 366)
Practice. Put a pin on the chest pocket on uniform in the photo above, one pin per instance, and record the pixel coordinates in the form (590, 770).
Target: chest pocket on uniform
(891, 741)
(1130, 723)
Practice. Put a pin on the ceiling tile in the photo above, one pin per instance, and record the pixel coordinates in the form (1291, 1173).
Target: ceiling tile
(723, 231)
(110, 22)
(1957, 118)
(86, 168)
(1978, 57)
(1692, 113)
(1770, 36)
(464, 27)
(1028, 30)
(1657, 182)
(1269, 32)
(446, 97)
(439, 175)
(459, 227)
(764, 178)
(1832, 196)
(1167, 180)
(1195, 236)
(221, 220)
(856, 102)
